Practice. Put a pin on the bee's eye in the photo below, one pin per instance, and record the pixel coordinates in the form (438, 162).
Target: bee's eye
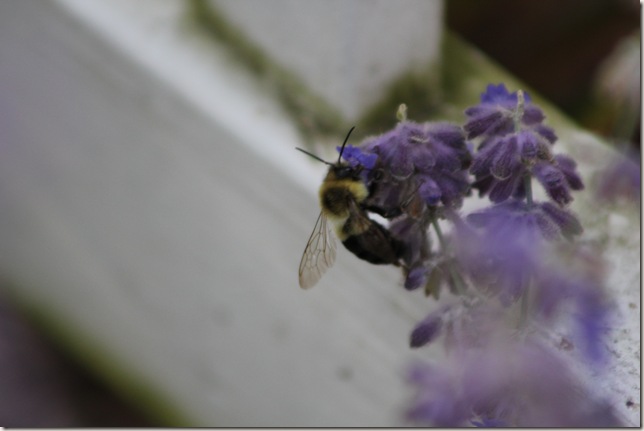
(377, 174)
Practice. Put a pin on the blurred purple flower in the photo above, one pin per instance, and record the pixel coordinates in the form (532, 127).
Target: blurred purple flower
(537, 219)
(437, 402)
(621, 179)
(500, 260)
(570, 293)
(504, 381)
(511, 255)
(489, 423)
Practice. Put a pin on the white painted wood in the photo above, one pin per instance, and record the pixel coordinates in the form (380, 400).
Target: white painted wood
(344, 50)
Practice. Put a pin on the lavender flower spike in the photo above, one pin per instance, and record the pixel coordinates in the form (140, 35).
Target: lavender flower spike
(515, 147)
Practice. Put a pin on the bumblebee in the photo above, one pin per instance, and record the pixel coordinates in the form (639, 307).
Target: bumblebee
(343, 201)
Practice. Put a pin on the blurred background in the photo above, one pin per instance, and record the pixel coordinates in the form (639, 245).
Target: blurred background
(582, 55)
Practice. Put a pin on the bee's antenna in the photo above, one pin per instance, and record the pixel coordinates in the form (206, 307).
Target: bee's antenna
(314, 156)
(345, 143)
(341, 150)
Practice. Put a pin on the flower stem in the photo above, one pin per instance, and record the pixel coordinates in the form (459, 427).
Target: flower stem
(459, 284)
(527, 185)
(523, 316)
(439, 232)
(518, 113)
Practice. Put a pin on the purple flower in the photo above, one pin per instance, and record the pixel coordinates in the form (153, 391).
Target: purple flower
(510, 381)
(412, 171)
(428, 329)
(428, 158)
(417, 251)
(498, 94)
(501, 259)
(563, 219)
(510, 256)
(502, 370)
(496, 115)
(567, 167)
(570, 292)
(487, 120)
(515, 149)
(621, 179)
(437, 401)
(489, 423)
(429, 191)
(515, 216)
(356, 156)
(498, 168)
(416, 277)
(554, 182)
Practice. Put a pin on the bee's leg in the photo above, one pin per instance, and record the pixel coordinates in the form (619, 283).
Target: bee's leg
(393, 212)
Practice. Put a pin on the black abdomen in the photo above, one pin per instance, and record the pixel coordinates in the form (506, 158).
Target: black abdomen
(375, 245)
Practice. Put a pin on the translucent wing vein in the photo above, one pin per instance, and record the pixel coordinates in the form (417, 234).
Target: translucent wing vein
(319, 254)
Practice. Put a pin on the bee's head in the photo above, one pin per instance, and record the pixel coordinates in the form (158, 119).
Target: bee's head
(342, 172)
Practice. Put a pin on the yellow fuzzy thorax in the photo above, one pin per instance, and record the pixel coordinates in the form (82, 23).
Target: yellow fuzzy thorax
(335, 196)
(356, 188)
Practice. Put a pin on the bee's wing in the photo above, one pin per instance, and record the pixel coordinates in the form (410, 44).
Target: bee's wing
(319, 254)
